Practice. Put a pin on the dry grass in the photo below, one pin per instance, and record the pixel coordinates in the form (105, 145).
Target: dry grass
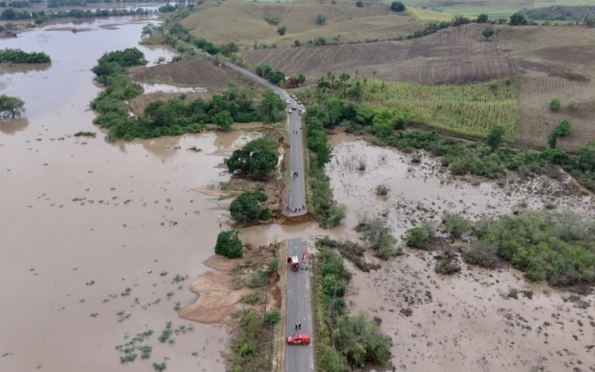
(455, 55)
(344, 19)
(554, 62)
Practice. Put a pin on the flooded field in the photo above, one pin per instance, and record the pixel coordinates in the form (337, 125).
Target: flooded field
(465, 322)
(94, 234)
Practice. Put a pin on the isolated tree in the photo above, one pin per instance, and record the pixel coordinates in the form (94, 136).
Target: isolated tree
(228, 244)
(487, 32)
(148, 30)
(483, 18)
(301, 78)
(281, 30)
(223, 120)
(590, 21)
(397, 6)
(495, 136)
(263, 70)
(359, 3)
(320, 20)
(297, 43)
(562, 129)
(246, 207)
(11, 106)
(555, 104)
(518, 19)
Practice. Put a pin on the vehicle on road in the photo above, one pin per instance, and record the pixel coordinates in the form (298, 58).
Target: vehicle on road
(299, 339)
(294, 107)
(295, 263)
(287, 101)
(289, 111)
(300, 112)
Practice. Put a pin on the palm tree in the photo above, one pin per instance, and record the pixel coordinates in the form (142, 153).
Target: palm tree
(343, 78)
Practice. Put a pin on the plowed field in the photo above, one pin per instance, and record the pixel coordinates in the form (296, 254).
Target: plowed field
(455, 55)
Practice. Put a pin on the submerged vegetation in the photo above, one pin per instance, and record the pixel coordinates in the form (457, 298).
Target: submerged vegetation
(18, 56)
(11, 107)
(343, 342)
(545, 245)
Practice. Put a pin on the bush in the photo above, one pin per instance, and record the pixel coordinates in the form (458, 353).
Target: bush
(362, 341)
(418, 237)
(397, 6)
(281, 30)
(273, 316)
(555, 104)
(246, 207)
(382, 190)
(518, 19)
(456, 225)
(228, 244)
(359, 3)
(562, 129)
(482, 18)
(481, 254)
(320, 20)
(336, 214)
(18, 56)
(495, 136)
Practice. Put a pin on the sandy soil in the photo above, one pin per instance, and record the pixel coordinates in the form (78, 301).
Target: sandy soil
(465, 322)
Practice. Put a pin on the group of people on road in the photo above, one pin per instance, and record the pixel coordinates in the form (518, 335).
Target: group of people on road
(298, 326)
(295, 210)
(295, 174)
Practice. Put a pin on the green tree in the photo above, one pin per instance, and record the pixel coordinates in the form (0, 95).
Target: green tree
(482, 18)
(262, 163)
(344, 78)
(263, 70)
(487, 32)
(495, 137)
(271, 107)
(239, 161)
(590, 21)
(359, 3)
(301, 78)
(229, 244)
(282, 30)
(562, 129)
(555, 104)
(397, 6)
(320, 19)
(518, 19)
(11, 106)
(223, 120)
(246, 207)
(261, 144)
(297, 43)
(459, 20)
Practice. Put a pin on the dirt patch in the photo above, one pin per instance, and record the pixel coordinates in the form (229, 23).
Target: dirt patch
(571, 54)
(453, 55)
(195, 73)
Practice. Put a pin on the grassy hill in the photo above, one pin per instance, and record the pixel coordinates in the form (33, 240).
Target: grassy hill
(244, 22)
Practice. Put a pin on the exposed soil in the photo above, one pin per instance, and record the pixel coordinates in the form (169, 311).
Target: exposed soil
(455, 55)
(195, 73)
(465, 321)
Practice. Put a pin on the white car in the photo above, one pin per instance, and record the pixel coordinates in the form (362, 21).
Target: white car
(289, 111)
(287, 101)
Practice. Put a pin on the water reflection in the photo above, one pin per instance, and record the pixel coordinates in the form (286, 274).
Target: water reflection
(11, 126)
(6, 68)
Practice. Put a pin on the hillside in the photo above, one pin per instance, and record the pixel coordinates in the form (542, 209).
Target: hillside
(343, 20)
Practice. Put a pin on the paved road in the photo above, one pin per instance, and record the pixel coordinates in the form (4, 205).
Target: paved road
(298, 358)
(297, 186)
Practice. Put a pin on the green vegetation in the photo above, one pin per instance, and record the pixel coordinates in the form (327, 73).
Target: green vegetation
(42, 16)
(482, 18)
(561, 130)
(276, 77)
(397, 6)
(273, 21)
(590, 21)
(354, 252)
(357, 340)
(228, 244)
(487, 32)
(456, 225)
(18, 56)
(518, 19)
(561, 13)
(159, 366)
(11, 107)
(282, 30)
(273, 316)
(85, 134)
(377, 236)
(555, 104)
(167, 8)
(251, 345)
(382, 190)
(494, 139)
(328, 212)
(246, 208)
(257, 159)
(359, 3)
(545, 245)
(320, 20)
(419, 237)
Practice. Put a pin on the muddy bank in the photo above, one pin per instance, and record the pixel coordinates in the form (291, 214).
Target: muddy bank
(466, 322)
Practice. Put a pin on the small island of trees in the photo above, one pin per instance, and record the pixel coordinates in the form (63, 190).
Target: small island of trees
(18, 56)
(11, 107)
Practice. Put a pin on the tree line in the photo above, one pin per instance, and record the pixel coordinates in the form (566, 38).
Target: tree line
(278, 77)
(562, 13)
(175, 116)
(42, 16)
(18, 56)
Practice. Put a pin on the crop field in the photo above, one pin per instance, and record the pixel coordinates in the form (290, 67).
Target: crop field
(430, 15)
(194, 73)
(453, 56)
(343, 21)
(470, 110)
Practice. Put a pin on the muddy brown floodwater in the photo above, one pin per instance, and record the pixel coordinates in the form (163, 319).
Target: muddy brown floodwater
(93, 234)
(465, 322)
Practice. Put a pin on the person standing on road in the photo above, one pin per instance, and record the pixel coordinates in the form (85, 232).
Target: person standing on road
(296, 326)
(300, 326)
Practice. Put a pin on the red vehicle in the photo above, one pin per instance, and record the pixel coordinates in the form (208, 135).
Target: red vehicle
(295, 262)
(299, 339)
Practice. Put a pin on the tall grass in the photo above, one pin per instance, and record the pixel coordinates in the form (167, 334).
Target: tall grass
(471, 110)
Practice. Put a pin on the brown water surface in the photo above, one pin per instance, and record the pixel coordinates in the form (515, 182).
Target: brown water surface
(83, 220)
